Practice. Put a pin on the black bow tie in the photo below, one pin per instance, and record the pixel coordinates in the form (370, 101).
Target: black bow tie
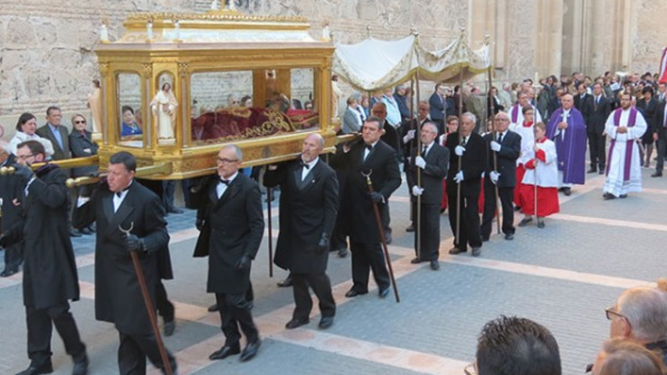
(223, 181)
(369, 147)
(304, 164)
(120, 193)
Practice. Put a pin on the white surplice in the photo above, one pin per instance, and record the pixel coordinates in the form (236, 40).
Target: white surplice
(615, 183)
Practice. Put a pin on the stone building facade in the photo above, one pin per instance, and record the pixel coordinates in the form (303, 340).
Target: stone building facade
(47, 46)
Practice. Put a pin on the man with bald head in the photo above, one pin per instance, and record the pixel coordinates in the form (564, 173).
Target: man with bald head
(308, 209)
(567, 129)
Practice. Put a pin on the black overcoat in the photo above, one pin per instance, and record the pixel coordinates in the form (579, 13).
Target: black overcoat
(118, 296)
(308, 209)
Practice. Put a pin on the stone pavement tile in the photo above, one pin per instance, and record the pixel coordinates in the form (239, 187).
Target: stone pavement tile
(591, 248)
(442, 312)
(640, 207)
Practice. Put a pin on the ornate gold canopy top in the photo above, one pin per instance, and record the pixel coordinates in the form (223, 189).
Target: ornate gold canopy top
(215, 26)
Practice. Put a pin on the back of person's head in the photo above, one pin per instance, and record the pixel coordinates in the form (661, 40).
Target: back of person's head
(645, 308)
(624, 357)
(517, 346)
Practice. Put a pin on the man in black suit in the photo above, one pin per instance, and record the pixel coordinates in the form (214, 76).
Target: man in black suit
(374, 157)
(408, 137)
(231, 223)
(432, 165)
(308, 209)
(660, 136)
(49, 274)
(471, 149)
(120, 203)
(55, 132)
(582, 101)
(437, 106)
(11, 192)
(599, 112)
(506, 146)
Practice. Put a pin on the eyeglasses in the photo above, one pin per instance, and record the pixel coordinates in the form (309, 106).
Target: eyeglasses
(25, 157)
(610, 313)
(470, 369)
(501, 119)
(236, 102)
(80, 122)
(227, 161)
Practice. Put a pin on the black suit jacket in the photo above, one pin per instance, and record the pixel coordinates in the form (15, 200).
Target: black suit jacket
(584, 106)
(649, 109)
(510, 149)
(308, 210)
(118, 297)
(78, 143)
(11, 188)
(473, 163)
(437, 162)
(58, 153)
(233, 227)
(598, 115)
(390, 137)
(437, 103)
(356, 205)
(658, 125)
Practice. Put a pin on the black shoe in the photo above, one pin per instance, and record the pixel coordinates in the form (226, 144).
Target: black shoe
(592, 170)
(435, 265)
(525, 221)
(326, 322)
(46, 368)
(485, 239)
(353, 293)
(225, 352)
(296, 323)
(91, 228)
(540, 223)
(387, 238)
(175, 210)
(81, 366)
(169, 328)
(455, 250)
(567, 191)
(383, 293)
(85, 231)
(415, 261)
(601, 171)
(411, 228)
(657, 174)
(342, 253)
(250, 350)
(74, 233)
(285, 283)
(517, 208)
(9, 271)
(213, 308)
(476, 251)
(623, 196)
(608, 196)
(509, 236)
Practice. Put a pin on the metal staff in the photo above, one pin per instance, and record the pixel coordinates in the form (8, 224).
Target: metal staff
(415, 83)
(268, 199)
(490, 103)
(458, 185)
(369, 183)
(148, 302)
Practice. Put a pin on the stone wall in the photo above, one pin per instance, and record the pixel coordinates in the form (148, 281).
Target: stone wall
(46, 46)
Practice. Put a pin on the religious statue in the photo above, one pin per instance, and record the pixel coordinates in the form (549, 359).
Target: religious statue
(336, 93)
(164, 106)
(95, 105)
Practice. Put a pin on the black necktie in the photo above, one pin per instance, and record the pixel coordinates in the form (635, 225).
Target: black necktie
(223, 181)
(500, 137)
(424, 149)
(463, 141)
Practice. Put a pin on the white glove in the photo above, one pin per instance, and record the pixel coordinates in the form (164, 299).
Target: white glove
(493, 175)
(410, 136)
(495, 146)
(420, 162)
(417, 191)
(459, 150)
(459, 177)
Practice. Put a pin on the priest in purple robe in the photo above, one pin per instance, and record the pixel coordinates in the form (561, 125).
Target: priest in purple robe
(567, 129)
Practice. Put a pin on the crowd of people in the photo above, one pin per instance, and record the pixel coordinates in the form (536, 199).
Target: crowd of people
(452, 158)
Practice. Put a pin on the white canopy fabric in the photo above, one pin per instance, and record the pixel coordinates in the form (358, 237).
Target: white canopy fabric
(375, 64)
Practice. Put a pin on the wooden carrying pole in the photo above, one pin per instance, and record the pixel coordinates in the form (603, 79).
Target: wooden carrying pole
(495, 137)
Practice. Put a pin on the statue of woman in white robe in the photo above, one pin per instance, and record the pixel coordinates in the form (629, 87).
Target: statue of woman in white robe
(164, 106)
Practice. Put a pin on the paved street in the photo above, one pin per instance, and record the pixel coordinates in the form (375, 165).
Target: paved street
(562, 276)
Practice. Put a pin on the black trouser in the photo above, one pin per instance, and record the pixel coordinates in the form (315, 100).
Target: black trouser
(40, 326)
(596, 144)
(164, 307)
(386, 219)
(366, 257)
(13, 256)
(168, 190)
(234, 313)
(133, 350)
(469, 231)
(429, 231)
(662, 152)
(338, 239)
(321, 285)
(506, 195)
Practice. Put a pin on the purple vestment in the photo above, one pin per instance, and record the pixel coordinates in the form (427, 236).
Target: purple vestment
(571, 148)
